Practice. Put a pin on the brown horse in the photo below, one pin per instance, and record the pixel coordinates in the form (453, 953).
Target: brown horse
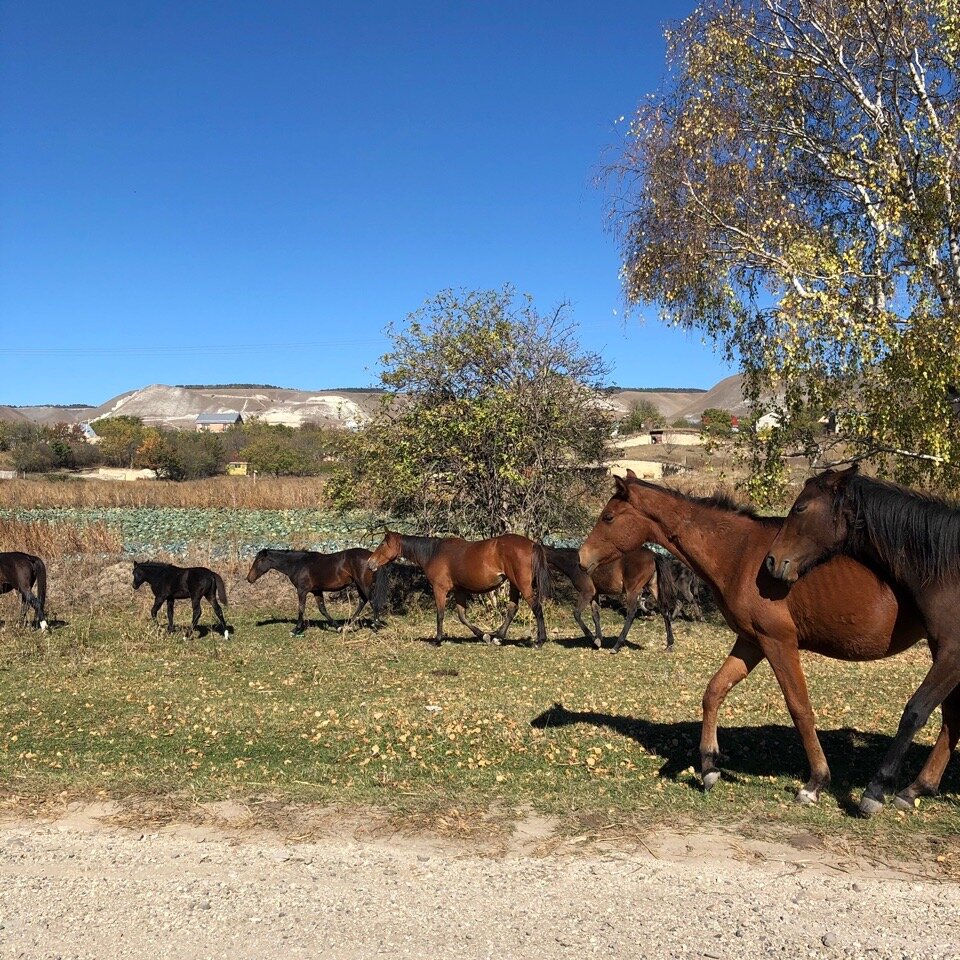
(467, 568)
(841, 609)
(626, 578)
(22, 572)
(913, 540)
(316, 573)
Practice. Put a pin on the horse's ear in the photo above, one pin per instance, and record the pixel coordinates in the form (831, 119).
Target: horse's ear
(621, 488)
(631, 475)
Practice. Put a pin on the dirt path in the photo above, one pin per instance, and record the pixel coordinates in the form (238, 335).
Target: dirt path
(79, 888)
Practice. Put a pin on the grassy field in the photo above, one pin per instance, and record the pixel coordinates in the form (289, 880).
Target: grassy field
(109, 705)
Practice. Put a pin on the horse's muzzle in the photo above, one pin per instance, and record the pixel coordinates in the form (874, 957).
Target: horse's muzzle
(785, 570)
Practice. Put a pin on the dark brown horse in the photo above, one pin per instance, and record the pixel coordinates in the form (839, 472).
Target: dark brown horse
(913, 540)
(841, 609)
(626, 578)
(22, 572)
(467, 568)
(170, 583)
(319, 573)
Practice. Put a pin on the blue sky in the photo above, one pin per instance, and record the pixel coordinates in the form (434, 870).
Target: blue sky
(197, 192)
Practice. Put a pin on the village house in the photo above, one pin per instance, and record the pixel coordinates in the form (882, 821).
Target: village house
(217, 422)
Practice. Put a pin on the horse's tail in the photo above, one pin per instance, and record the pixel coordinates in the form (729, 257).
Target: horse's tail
(221, 589)
(40, 582)
(542, 587)
(380, 591)
(666, 593)
(666, 584)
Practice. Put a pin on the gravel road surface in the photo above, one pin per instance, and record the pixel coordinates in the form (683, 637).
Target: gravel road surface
(79, 888)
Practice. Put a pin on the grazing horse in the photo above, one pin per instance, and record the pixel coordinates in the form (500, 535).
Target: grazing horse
(913, 540)
(626, 577)
(841, 609)
(313, 572)
(21, 572)
(466, 568)
(170, 583)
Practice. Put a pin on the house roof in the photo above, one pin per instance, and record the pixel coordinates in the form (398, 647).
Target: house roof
(231, 416)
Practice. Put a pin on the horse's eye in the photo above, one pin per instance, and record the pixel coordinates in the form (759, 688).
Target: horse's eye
(607, 518)
(799, 507)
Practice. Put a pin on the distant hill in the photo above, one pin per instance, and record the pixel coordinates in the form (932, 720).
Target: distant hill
(178, 406)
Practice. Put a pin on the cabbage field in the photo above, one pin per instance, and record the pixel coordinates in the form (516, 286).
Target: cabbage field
(225, 531)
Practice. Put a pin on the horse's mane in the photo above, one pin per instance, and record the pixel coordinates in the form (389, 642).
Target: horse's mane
(720, 500)
(420, 550)
(913, 533)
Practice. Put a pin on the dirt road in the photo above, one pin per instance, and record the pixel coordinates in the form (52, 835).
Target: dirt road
(79, 888)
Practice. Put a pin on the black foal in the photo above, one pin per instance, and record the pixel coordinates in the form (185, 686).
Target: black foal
(170, 583)
(23, 572)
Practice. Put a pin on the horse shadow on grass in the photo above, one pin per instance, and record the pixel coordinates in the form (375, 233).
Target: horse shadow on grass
(767, 750)
(52, 623)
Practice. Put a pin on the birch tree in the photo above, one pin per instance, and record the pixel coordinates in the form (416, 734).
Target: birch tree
(793, 191)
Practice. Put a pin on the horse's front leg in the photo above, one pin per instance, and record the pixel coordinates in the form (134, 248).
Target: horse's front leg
(937, 685)
(744, 656)
(784, 658)
(195, 601)
(299, 627)
(582, 601)
(928, 780)
(356, 613)
(170, 626)
(631, 603)
(322, 607)
(155, 609)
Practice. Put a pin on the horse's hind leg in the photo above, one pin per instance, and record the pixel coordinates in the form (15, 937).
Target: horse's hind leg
(461, 598)
(740, 661)
(632, 601)
(440, 599)
(195, 601)
(928, 780)
(508, 615)
(582, 602)
(218, 613)
(937, 685)
(170, 627)
(356, 613)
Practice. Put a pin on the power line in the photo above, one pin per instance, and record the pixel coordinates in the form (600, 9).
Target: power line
(187, 348)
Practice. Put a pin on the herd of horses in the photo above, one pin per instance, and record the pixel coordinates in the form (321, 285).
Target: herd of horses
(860, 569)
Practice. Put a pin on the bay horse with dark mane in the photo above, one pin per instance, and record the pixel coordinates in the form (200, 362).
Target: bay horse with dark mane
(913, 540)
(840, 609)
(625, 577)
(170, 583)
(313, 572)
(466, 568)
(22, 572)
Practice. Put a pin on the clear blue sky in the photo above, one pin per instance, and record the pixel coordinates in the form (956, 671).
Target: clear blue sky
(193, 191)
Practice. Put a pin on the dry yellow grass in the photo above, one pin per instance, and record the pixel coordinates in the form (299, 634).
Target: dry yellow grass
(236, 492)
(51, 540)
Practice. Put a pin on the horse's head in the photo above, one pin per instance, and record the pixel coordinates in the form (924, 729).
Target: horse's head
(387, 552)
(815, 529)
(258, 568)
(619, 530)
(138, 576)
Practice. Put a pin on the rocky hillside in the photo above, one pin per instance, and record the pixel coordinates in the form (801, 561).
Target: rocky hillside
(178, 407)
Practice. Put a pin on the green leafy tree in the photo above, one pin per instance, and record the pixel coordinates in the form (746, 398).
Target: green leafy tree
(794, 193)
(717, 422)
(120, 439)
(643, 415)
(490, 413)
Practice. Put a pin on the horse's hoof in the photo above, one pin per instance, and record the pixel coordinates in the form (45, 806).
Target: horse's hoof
(907, 804)
(870, 807)
(805, 797)
(710, 779)
(43, 625)
(226, 634)
(614, 650)
(487, 638)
